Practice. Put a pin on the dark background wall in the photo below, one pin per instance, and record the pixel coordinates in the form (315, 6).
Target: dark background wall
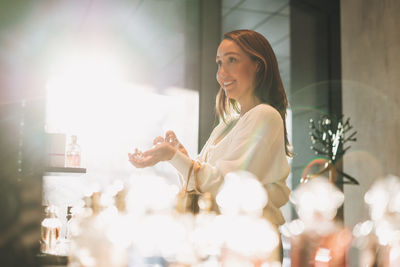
(202, 40)
(371, 95)
(315, 72)
(21, 140)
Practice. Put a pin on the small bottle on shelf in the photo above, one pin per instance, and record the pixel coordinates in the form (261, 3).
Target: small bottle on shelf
(73, 153)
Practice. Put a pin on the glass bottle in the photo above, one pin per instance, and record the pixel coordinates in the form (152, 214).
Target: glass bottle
(73, 153)
(68, 226)
(50, 231)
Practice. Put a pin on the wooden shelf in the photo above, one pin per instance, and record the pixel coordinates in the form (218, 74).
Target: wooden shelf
(52, 260)
(64, 170)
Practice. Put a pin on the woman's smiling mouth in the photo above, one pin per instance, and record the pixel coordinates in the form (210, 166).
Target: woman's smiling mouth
(226, 84)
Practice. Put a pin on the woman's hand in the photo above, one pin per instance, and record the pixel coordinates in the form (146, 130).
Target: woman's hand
(160, 152)
(164, 149)
(170, 137)
(158, 140)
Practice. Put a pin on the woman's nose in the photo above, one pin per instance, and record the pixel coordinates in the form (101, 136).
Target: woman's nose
(222, 73)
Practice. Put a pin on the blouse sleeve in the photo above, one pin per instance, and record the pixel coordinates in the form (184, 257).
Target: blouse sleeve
(258, 147)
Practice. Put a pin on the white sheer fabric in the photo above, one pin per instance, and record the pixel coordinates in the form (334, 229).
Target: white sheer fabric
(256, 144)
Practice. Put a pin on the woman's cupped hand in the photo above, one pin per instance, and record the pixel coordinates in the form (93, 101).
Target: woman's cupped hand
(163, 149)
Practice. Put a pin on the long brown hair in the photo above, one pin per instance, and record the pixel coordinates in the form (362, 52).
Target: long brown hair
(268, 83)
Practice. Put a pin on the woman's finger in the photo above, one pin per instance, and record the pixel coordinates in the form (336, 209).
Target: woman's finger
(170, 133)
(170, 138)
(158, 140)
(137, 159)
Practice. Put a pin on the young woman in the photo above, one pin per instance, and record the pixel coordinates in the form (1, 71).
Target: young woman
(251, 134)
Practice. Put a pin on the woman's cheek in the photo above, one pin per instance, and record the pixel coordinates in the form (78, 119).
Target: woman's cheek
(219, 80)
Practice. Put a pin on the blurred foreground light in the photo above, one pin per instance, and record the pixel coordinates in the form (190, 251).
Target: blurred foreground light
(91, 188)
(379, 238)
(163, 235)
(78, 75)
(114, 188)
(207, 236)
(387, 232)
(248, 236)
(384, 198)
(80, 65)
(323, 255)
(317, 199)
(150, 194)
(384, 206)
(394, 256)
(293, 228)
(363, 229)
(242, 193)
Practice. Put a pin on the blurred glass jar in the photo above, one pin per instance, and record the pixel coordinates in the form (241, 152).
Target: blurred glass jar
(50, 231)
(378, 239)
(73, 153)
(316, 239)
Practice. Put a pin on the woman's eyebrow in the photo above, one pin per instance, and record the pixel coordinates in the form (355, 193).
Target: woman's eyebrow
(229, 53)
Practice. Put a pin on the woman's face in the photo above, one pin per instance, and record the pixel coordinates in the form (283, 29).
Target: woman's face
(236, 71)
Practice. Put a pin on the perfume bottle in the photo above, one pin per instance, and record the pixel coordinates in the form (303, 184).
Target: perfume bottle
(316, 238)
(68, 225)
(50, 231)
(73, 153)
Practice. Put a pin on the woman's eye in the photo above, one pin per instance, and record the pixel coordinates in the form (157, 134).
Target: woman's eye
(232, 59)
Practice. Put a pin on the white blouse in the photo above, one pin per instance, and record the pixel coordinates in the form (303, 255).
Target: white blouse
(256, 144)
